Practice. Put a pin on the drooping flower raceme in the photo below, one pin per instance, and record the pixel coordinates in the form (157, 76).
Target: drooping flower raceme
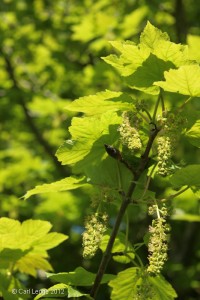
(129, 132)
(95, 226)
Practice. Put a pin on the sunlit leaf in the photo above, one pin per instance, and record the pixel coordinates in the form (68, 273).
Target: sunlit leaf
(152, 35)
(89, 135)
(185, 81)
(101, 102)
(69, 183)
(127, 285)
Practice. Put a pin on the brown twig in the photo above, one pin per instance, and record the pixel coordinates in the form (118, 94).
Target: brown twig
(126, 199)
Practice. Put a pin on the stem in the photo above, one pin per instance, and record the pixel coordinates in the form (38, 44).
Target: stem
(148, 114)
(127, 231)
(186, 101)
(126, 199)
(139, 260)
(144, 117)
(178, 193)
(148, 182)
(156, 108)
(157, 210)
(162, 103)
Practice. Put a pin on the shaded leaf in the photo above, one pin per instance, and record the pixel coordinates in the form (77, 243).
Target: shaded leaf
(79, 277)
(144, 77)
(193, 134)
(186, 176)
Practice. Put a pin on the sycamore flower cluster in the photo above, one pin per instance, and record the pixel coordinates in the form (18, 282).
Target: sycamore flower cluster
(165, 152)
(158, 242)
(95, 226)
(167, 141)
(128, 131)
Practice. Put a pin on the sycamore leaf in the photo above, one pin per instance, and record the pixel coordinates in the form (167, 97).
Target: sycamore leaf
(35, 228)
(151, 36)
(49, 241)
(69, 183)
(89, 135)
(124, 286)
(26, 244)
(186, 176)
(127, 284)
(101, 102)
(144, 77)
(74, 293)
(10, 256)
(79, 277)
(175, 53)
(30, 263)
(8, 225)
(130, 59)
(162, 289)
(193, 134)
(185, 80)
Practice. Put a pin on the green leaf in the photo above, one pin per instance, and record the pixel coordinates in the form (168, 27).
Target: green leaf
(31, 262)
(49, 241)
(131, 283)
(161, 288)
(8, 225)
(185, 80)
(89, 135)
(101, 102)
(124, 286)
(186, 176)
(119, 247)
(80, 277)
(72, 292)
(35, 228)
(54, 292)
(29, 243)
(150, 71)
(10, 256)
(151, 36)
(193, 134)
(69, 183)
(130, 59)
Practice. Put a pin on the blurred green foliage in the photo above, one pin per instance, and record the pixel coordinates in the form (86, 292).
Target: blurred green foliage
(49, 55)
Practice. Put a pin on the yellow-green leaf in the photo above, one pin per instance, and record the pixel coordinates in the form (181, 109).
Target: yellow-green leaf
(185, 81)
